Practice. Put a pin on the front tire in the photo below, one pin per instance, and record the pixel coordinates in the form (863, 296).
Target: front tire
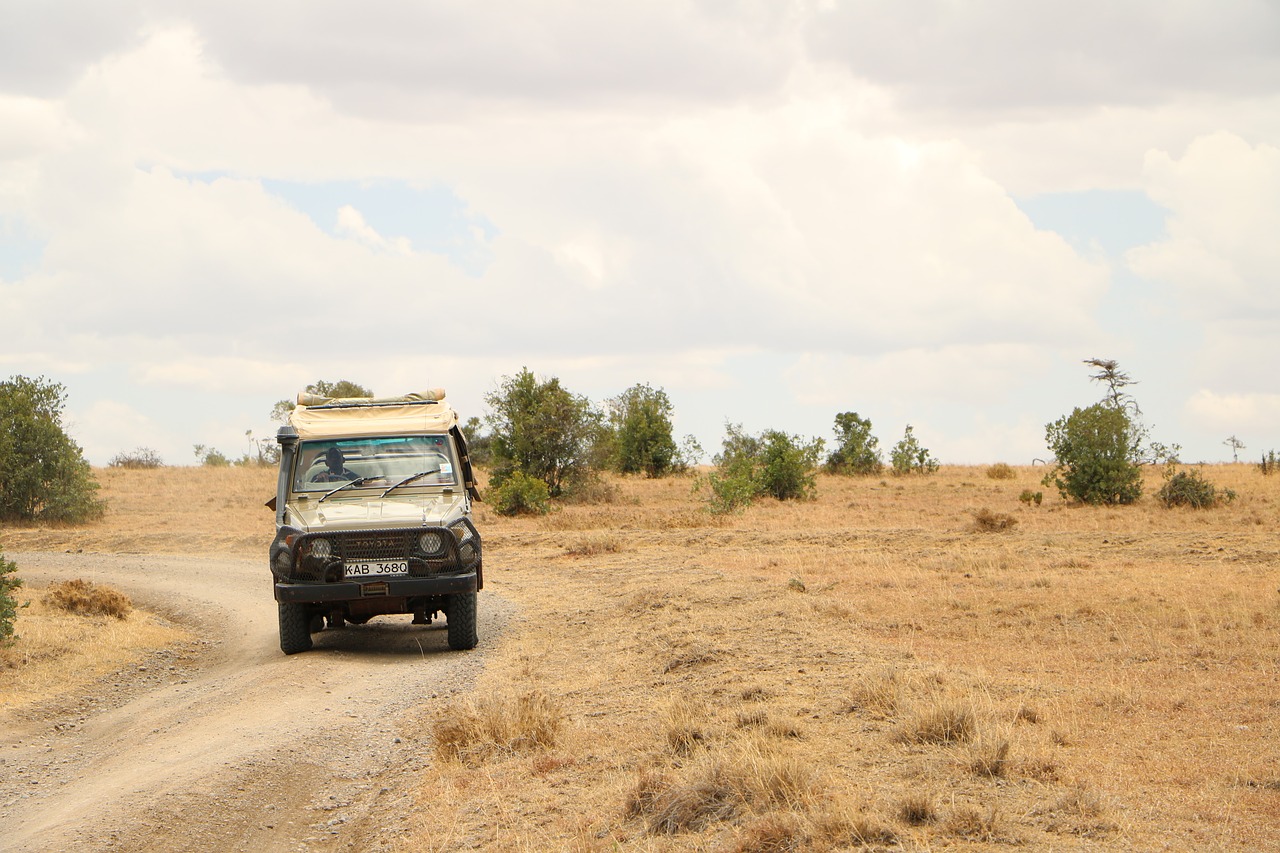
(295, 628)
(460, 618)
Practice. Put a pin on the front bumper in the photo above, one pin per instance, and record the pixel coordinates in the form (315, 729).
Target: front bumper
(384, 588)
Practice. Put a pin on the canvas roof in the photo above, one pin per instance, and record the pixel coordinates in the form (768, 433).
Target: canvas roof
(419, 412)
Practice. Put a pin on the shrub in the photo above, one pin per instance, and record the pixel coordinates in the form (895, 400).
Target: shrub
(1190, 488)
(9, 583)
(787, 466)
(541, 430)
(1001, 471)
(211, 458)
(1097, 450)
(87, 599)
(520, 494)
(986, 521)
(749, 467)
(142, 457)
(1269, 462)
(857, 451)
(908, 457)
(1029, 497)
(43, 474)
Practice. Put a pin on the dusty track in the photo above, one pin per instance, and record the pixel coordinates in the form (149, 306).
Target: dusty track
(228, 744)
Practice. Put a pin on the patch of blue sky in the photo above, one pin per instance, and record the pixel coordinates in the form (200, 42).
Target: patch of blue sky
(433, 219)
(20, 252)
(1111, 220)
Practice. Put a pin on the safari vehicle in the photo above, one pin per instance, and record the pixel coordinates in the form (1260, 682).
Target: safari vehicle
(373, 517)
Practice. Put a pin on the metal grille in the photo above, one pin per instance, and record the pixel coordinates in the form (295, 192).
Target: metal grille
(376, 545)
(388, 546)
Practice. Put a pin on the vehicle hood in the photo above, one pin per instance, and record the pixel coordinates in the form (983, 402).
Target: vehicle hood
(348, 514)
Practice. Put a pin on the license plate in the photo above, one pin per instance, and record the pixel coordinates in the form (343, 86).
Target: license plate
(364, 570)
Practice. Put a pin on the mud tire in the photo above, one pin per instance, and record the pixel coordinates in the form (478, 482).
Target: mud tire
(460, 618)
(295, 628)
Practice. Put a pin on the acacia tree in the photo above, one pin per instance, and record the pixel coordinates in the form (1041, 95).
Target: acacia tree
(541, 430)
(43, 473)
(640, 421)
(1098, 450)
(857, 450)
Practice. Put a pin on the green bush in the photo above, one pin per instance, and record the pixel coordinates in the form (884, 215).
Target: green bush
(1269, 463)
(1190, 488)
(788, 466)
(211, 458)
(749, 467)
(857, 450)
(43, 474)
(520, 494)
(1097, 450)
(908, 457)
(9, 583)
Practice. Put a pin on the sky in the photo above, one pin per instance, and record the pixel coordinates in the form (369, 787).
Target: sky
(930, 213)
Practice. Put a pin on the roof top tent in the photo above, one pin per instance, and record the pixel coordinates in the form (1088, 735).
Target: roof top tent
(419, 412)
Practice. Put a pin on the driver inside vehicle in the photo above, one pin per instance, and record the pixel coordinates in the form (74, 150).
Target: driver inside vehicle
(335, 470)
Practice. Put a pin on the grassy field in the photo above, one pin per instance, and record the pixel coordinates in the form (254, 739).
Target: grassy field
(868, 670)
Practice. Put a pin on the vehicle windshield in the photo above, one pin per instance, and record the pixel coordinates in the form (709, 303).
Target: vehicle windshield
(378, 462)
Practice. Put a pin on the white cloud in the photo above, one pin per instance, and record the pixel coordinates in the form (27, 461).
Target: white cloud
(108, 427)
(1221, 253)
(680, 193)
(1242, 415)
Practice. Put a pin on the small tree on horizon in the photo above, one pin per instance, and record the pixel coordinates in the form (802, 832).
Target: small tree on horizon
(1098, 450)
(910, 457)
(542, 430)
(342, 388)
(857, 450)
(641, 432)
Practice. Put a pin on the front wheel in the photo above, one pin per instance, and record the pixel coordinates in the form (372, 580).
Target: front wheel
(460, 618)
(295, 627)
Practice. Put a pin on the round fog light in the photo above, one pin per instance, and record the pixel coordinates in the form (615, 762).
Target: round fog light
(430, 543)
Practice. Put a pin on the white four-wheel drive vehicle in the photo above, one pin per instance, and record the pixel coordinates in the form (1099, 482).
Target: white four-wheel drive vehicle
(373, 517)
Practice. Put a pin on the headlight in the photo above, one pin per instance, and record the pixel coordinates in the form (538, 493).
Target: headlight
(321, 548)
(430, 543)
(461, 532)
(284, 562)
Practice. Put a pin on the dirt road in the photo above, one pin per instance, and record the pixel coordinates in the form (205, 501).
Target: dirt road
(227, 744)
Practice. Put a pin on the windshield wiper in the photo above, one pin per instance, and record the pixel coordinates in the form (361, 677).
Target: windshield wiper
(407, 480)
(357, 481)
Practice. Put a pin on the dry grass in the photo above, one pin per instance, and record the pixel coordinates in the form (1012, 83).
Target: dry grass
(82, 598)
(58, 652)
(477, 730)
(1091, 677)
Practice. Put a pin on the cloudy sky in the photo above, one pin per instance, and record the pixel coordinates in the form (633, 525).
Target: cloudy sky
(776, 210)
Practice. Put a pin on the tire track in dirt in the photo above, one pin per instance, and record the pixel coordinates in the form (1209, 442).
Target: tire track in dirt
(239, 746)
